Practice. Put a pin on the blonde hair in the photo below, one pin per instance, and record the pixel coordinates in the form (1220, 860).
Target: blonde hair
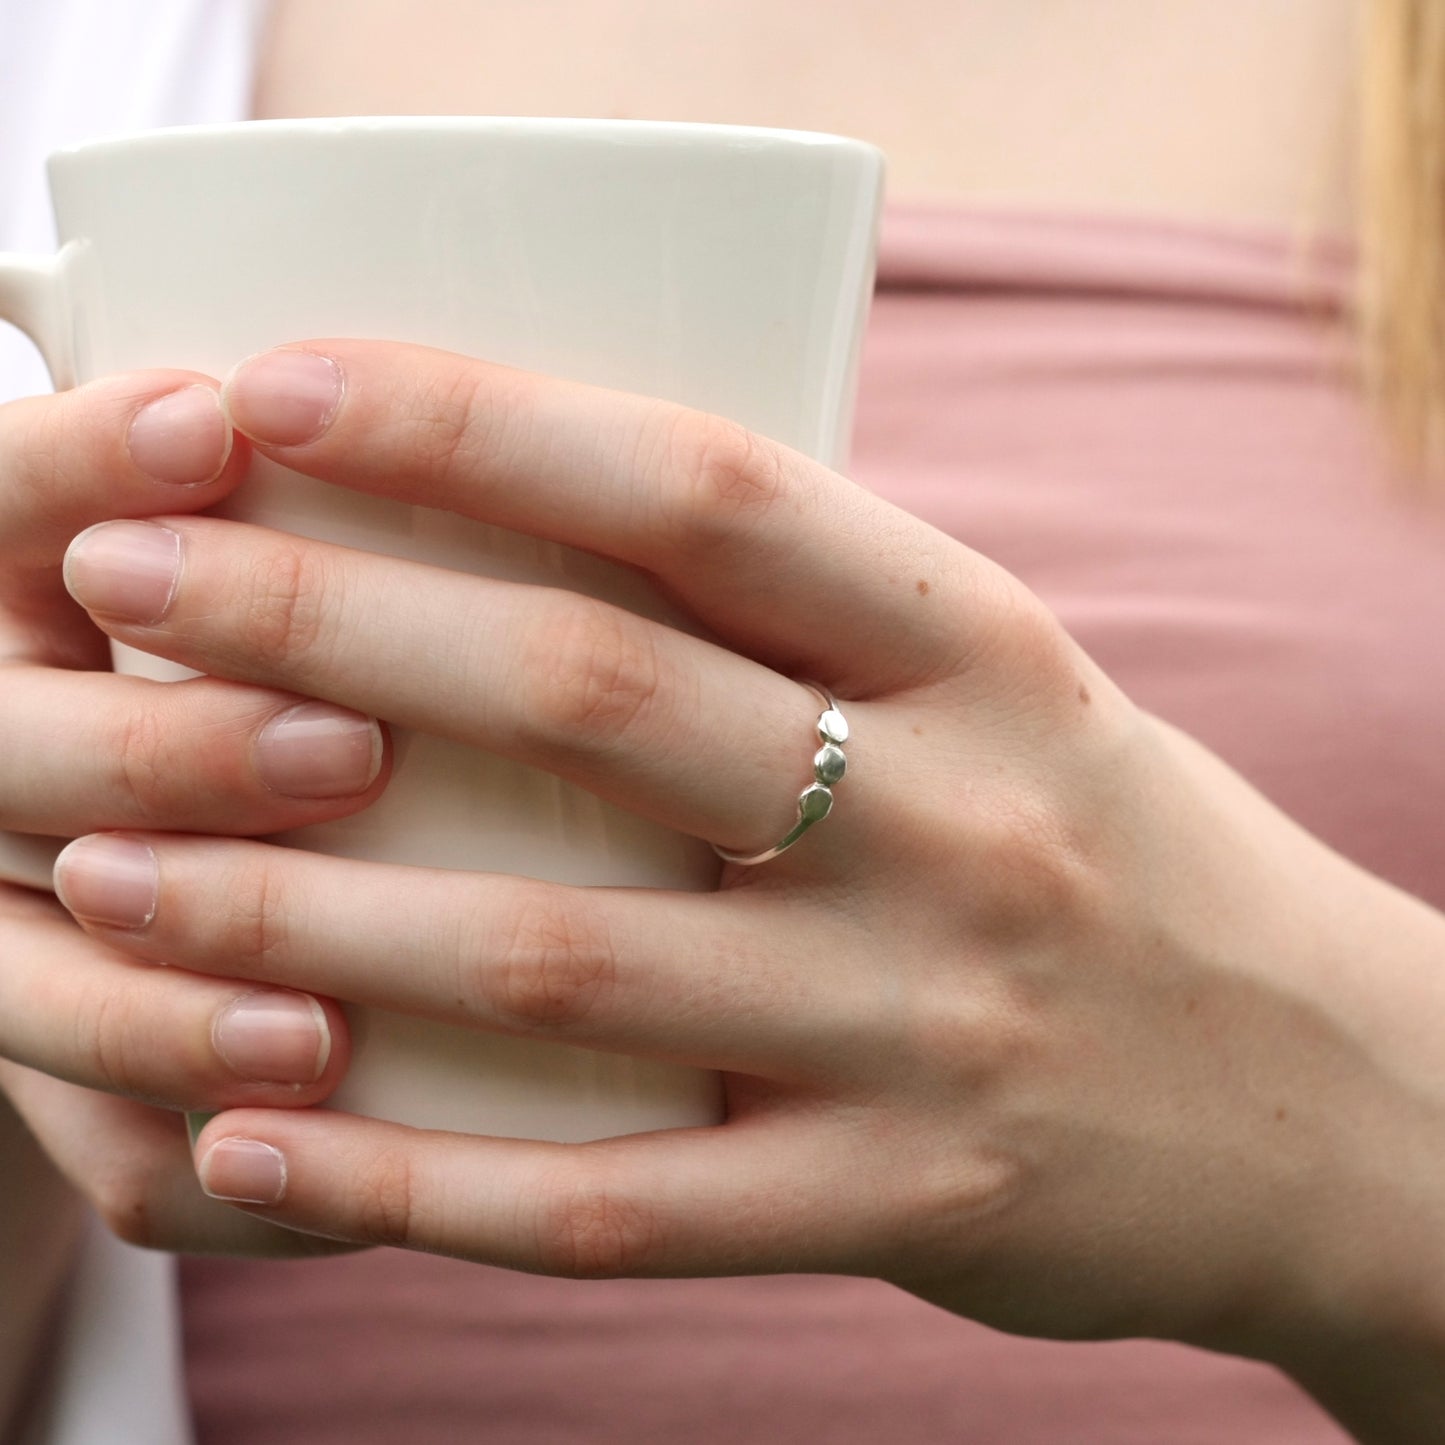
(1402, 225)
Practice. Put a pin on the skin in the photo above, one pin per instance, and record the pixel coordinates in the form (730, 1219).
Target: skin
(82, 746)
(1112, 104)
(1115, 1047)
(43, 1215)
(1109, 1046)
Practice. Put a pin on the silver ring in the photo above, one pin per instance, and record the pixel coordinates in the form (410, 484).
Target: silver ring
(815, 802)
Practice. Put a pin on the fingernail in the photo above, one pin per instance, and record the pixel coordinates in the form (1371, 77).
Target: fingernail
(274, 1037)
(244, 1171)
(125, 570)
(182, 438)
(315, 750)
(283, 398)
(108, 879)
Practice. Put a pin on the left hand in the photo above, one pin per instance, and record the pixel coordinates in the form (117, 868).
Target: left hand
(1054, 1022)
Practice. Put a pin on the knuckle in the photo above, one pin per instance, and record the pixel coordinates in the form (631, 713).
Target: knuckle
(386, 1199)
(588, 1230)
(555, 967)
(143, 764)
(284, 611)
(1042, 645)
(733, 479)
(970, 1194)
(599, 679)
(256, 934)
(964, 1042)
(1037, 875)
(462, 417)
(35, 473)
(106, 1040)
(1011, 629)
(59, 452)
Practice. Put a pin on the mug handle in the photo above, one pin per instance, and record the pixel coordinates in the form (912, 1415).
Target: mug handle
(30, 298)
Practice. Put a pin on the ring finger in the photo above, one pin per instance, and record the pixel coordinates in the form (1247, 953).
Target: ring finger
(669, 975)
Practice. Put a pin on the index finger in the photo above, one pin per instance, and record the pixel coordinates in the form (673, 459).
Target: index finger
(790, 562)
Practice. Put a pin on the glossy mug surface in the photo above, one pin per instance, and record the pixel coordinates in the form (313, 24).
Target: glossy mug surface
(726, 268)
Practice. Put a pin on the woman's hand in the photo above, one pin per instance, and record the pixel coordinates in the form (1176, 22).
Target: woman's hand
(1054, 1022)
(97, 1053)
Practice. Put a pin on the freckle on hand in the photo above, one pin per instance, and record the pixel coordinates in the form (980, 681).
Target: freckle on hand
(922, 587)
(1084, 695)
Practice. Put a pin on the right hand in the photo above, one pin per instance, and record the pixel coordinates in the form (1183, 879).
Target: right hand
(98, 1054)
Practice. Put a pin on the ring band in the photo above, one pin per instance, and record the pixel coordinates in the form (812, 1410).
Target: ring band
(815, 802)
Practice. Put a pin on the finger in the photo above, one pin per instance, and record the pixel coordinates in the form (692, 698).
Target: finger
(128, 445)
(133, 1164)
(80, 1011)
(737, 1199)
(786, 560)
(131, 445)
(669, 726)
(719, 983)
(86, 751)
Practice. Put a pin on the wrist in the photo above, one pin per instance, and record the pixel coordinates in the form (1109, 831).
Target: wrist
(1385, 1391)
(1361, 1323)
(1332, 1154)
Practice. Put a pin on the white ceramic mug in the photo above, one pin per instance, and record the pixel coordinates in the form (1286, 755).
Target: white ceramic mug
(727, 268)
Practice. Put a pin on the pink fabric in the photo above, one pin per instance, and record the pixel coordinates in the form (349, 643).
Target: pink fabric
(1153, 426)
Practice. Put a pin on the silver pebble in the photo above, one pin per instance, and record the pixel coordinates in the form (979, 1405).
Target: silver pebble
(814, 803)
(833, 726)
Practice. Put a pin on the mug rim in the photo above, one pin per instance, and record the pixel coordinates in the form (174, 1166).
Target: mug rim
(579, 127)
